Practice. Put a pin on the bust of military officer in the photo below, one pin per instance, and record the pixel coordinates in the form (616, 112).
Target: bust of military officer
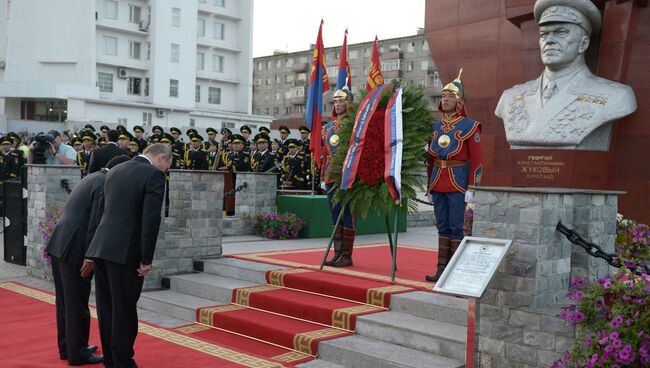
(567, 107)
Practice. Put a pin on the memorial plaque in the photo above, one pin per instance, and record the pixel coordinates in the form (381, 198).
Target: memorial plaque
(542, 168)
(471, 268)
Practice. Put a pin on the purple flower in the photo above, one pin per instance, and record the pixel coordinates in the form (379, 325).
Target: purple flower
(616, 322)
(607, 284)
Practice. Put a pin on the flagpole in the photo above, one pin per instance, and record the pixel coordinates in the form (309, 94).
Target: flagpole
(329, 246)
(394, 243)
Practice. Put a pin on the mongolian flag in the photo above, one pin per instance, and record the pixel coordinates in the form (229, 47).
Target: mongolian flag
(318, 84)
(393, 144)
(366, 109)
(345, 78)
(374, 74)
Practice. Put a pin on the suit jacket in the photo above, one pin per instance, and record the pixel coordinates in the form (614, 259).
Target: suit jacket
(101, 156)
(128, 230)
(77, 225)
(569, 119)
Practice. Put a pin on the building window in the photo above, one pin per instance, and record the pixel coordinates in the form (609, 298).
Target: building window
(425, 45)
(354, 54)
(192, 123)
(134, 50)
(258, 81)
(110, 9)
(218, 30)
(110, 45)
(424, 65)
(133, 86)
(287, 94)
(146, 86)
(298, 91)
(278, 63)
(257, 111)
(302, 59)
(332, 71)
(200, 61)
(394, 48)
(173, 88)
(200, 28)
(367, 52)
(148, 50)
(105, 82)
(288, 78)
(176, 17)
(197, 93)
(436, 79)
(220, 3)
(268, 64)
(217, 63)
(135, 13)
(302, 77)
(175, 53)
(287, 110)
(259, 66)
(276, 111)
(146, 118)
(409, 66)
(268, 81)
(277, 79)
(277, 96)
(410, 47)
(288, 63)
(390, 65)
(266, 111)
(214, 95)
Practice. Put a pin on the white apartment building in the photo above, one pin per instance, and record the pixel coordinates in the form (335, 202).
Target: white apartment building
(183, 63)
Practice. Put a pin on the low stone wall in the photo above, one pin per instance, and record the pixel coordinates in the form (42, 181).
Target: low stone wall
(259, 195)
(45, 195)
(421, 219)
(519, 323)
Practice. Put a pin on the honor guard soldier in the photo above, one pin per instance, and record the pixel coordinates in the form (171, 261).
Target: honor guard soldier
(10, 160)
(139, 132)
(212, 139)
(294, 167)
(179, 145)
(455, 162)
(284, 134)
(240, 161)
(246, 131)
(195, 157)
(83, 156)
(304, 140)
(77, 144)
(177, 160)
(263, 160)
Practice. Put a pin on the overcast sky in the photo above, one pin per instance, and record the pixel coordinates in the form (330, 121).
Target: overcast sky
(292, 25)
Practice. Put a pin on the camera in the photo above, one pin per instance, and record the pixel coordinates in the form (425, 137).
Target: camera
(41, 145)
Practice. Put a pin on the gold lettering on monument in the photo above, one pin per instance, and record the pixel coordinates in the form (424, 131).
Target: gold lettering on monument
(540, 167)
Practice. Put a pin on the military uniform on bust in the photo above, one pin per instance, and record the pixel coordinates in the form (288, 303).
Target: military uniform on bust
(295, 167)
(345, 233)
(455, 162)
(195, 157)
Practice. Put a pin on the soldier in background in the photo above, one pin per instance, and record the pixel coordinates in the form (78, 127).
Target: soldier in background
(77, 144)
(239, 160)
(83, 156)
(212, 139)
(179, 145)
(134, 146)
(263, 160)
(196, 158)
(294, 167)
(177, 160)
(284, 134)
(304, 140)
(11, 160)
(246, 131)
(139, 136)
(264, 130)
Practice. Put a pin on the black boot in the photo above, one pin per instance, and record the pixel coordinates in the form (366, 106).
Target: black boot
(338, 244)
(346, 250)
(444, 253)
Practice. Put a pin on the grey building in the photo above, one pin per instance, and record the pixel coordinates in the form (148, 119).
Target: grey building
(280, 80)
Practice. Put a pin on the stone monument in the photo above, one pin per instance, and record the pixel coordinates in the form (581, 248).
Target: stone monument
(567, 107)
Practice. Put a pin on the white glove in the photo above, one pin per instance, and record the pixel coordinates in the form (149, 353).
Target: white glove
(323, 186)
(430, 198)
(426, 148)
(469, 196)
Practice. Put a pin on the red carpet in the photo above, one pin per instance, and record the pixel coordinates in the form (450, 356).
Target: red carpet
(28, 338)
(370, 262)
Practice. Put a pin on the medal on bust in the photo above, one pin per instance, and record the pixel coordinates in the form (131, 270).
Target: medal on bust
(444, 141)
(334, 140)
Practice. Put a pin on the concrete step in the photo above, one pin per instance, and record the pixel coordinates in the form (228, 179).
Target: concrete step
(172, 303)
(435, 306)
(319, 363)
(205, 285)
(239, 269)
(419, 333)
(362, 352)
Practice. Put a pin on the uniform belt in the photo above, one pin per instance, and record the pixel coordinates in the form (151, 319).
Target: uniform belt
(448, 163)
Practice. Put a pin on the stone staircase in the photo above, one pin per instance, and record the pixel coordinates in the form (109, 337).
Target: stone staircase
(235, 226)
(421, 329)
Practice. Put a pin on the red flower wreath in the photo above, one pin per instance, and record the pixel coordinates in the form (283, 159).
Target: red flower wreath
(371, 162)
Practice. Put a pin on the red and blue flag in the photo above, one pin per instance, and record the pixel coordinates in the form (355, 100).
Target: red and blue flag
(318, 84)
(344, 77)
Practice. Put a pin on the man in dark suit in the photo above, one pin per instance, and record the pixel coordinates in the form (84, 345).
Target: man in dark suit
(123, 247)
(101, 156)
(72, 275)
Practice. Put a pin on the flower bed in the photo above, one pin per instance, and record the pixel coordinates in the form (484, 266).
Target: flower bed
(275, 226)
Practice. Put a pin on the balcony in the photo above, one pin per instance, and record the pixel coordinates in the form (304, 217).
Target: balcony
(297, 115)
(392, 74)
(435, 91)
(299, 67)
(391, 55)
(298, 100)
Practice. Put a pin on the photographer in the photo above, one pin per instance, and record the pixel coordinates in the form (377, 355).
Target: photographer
(48, 149)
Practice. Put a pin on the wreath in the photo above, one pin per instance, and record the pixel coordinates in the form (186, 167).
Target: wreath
(369, 191)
